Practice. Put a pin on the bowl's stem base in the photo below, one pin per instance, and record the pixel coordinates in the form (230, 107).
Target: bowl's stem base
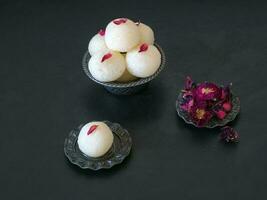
(127, 90)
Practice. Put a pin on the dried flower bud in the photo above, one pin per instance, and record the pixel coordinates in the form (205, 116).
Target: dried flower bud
(228, 134)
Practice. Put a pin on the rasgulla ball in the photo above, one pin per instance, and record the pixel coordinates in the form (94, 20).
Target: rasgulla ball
(95, 139)
(126, 77)
(147, 34)
(106, 67)
(97, 44)
(122, 35)
(143, 61)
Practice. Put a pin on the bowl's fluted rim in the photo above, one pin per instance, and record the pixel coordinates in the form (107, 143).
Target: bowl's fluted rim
(140, 81)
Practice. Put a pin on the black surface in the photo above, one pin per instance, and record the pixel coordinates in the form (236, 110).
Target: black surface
(44, 94)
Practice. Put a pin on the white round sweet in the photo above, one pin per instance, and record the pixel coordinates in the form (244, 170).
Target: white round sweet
(143, 61)
(126, 77)
(147, 34)
(95, 139)
(97, 44)
(122, 35)
(106, 67)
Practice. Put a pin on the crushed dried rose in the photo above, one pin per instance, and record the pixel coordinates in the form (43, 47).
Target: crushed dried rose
(228, 134)
(208, 91)
(200, 115)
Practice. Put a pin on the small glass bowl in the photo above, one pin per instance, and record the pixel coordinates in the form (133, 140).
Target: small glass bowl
(214, 122)
(125, 88)
(119, 150)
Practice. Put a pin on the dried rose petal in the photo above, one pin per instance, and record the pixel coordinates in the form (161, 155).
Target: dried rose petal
(188, 83)
(227, 106)
(102, 32)
(225, 93)
(106, 56)
(187, 104)
(201, 104)
(208, 91)
(120, 21)
(143, 47)
(92, 129)
(188, 93)
(228, 134)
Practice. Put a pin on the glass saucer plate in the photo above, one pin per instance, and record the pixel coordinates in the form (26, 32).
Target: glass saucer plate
(214, 122)
(120, 149)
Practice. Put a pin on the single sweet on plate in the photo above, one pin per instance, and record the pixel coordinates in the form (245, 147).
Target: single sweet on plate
(122, 35)
(107, 66)
(95, 139)
(143, 61)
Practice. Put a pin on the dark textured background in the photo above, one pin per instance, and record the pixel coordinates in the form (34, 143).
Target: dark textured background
(44, 94)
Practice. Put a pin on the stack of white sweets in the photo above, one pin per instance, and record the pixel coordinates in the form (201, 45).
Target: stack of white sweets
(123, 52)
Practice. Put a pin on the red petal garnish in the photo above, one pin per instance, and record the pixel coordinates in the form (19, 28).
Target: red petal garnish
(102, 32)
(119, 21)
(143, 47)
(106, 56)
(228, 134)
(91, 129)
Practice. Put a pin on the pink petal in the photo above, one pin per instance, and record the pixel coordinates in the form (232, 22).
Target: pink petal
(91, 129)
(106, 56)
(102, 32)
(143, 47)
(187, 106)
(120, 21)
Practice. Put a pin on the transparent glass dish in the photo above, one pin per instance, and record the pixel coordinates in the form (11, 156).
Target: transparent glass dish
(120, 149)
